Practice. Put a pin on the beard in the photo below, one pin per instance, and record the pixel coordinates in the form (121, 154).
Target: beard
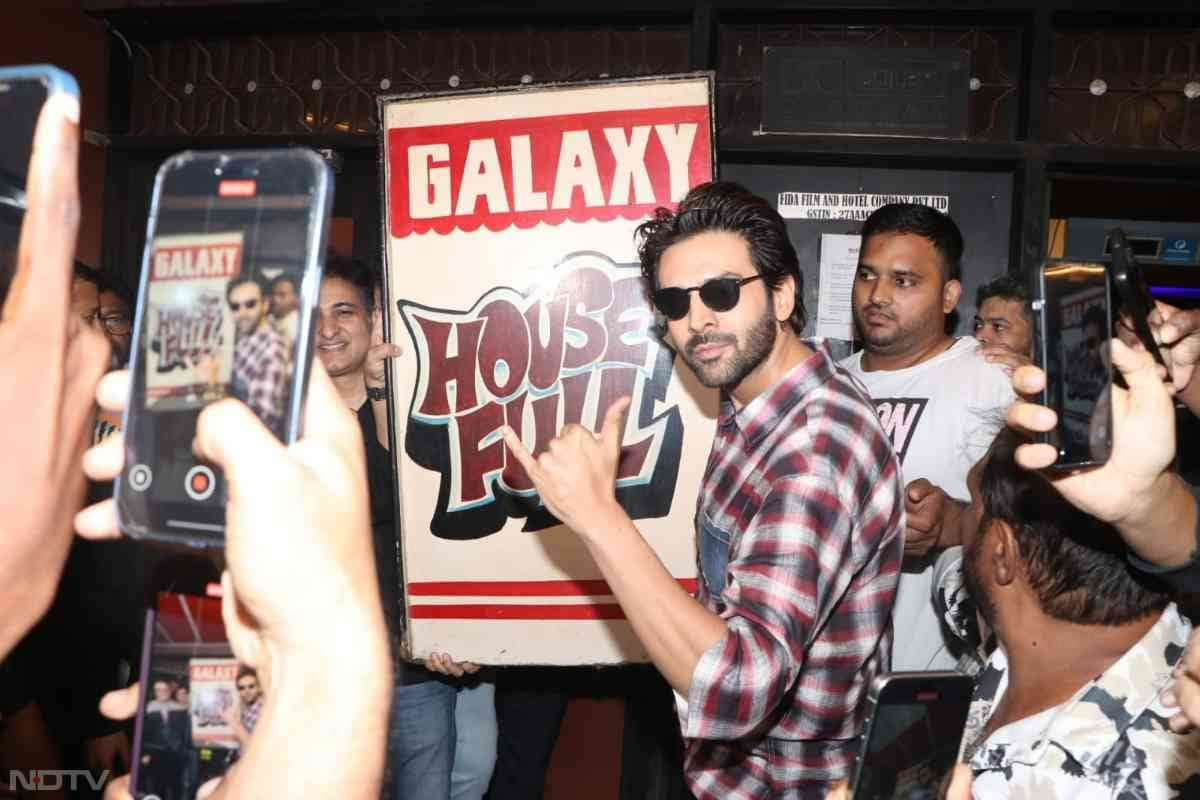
(745, 358)
(974, 584)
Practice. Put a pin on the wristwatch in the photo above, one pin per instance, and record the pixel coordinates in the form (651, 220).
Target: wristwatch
(377, 393)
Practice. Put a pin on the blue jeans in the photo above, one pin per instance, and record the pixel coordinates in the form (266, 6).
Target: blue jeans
(421, 740)
(475, 745)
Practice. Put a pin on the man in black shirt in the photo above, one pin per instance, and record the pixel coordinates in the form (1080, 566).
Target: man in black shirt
(421, 734)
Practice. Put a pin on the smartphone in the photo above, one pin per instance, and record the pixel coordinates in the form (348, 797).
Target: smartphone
(1074, 322)
(912, 734)
(222, 224)
(1134, 301)
(198, 704)
(23, 92)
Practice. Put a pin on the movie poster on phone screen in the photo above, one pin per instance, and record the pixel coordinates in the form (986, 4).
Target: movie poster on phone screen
(213, 693)
(189, 350)
(515, 292)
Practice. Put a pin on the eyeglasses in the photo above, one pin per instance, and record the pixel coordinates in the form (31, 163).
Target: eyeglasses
(248, 304)
(719, 294)
(116, 324)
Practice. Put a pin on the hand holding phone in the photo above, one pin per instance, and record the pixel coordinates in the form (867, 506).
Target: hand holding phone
(1135, 303)
(221, 225)
(300, 598)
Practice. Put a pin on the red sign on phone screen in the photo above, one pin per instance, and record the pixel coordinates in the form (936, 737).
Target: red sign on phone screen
(236, 188)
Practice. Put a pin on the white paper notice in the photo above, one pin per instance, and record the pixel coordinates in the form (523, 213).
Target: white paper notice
(839, 262)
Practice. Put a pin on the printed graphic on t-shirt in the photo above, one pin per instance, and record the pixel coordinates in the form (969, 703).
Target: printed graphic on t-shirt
(899, 416)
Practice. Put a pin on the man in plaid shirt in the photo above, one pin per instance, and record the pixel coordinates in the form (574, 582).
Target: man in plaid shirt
(261, 363)
(799, 522)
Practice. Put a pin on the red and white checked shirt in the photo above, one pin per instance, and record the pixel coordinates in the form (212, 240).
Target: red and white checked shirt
(261, 371)
(805, 487)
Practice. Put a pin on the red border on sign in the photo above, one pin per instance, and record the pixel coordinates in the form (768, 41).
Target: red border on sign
(522, 611)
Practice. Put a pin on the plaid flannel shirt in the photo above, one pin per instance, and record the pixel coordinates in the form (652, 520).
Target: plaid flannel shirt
(803, 484)
(251, 713)
(260, 375)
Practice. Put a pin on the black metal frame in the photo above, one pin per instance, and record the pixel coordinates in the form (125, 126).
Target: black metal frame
(1028, 158)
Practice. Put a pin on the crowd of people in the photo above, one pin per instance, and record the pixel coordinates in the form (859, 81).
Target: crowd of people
(891, 511)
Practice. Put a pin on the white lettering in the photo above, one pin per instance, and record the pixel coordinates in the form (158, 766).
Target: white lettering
(482, 177)
(630, 168)
(428, 186)
(524, 197)
(677, 144)
(576, 168)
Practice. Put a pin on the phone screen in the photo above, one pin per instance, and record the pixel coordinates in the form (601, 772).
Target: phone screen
(21, 100)
(198, 704)
(1076, 325)
(913, 743)
(228, 284)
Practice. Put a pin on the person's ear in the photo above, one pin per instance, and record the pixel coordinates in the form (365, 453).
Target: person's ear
(1004, 553)
(951, 291)
(783, 298)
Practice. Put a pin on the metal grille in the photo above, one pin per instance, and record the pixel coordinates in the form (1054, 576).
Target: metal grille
(1125, 89)
(995, 60)
(309, 84)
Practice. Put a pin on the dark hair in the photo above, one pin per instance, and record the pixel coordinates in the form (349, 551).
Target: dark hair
(283, 277)
(729, 207)
(82, 272)
(242, 280)
(244, 670)
(1076, 565)
(923, 221)
(358, 274)
(113, 283)
(1006, 287)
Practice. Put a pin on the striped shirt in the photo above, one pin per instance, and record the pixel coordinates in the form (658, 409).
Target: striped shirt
(800, 527)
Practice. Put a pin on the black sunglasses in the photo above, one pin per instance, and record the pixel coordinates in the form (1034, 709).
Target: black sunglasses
(719, 294)
(246, 304)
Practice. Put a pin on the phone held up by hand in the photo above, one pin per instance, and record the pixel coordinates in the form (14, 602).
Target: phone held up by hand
(1079, 308)
(911, 738)
(23, 92)
(230, 278)
(1073, 310)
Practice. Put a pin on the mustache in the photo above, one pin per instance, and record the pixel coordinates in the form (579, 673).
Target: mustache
(877, 309)
(701, 339)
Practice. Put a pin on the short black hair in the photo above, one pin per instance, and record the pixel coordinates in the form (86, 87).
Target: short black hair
(357, 273)
(284, 277)
(1006, 287)
(729, 207)
(82, 272)
(115, 284)
(1076, 565)
(245, 670)
(242, 280)
(923, 221)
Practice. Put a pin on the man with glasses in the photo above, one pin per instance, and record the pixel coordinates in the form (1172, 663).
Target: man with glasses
(249, 708)
(260, 357)
(115, 319)
(798, 523)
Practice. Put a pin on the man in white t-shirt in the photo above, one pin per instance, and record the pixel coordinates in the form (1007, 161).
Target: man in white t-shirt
(939, 400)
